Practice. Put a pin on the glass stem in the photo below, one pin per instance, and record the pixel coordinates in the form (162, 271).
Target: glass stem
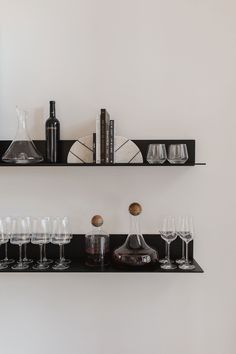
(61, 252)
(41, 254)
(25, 251)
(20, 253)
(168, 252)
(6, 253)
(44, 252)
(187, 253)
(183, 246)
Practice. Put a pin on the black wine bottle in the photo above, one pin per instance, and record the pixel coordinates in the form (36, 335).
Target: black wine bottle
(52, 135)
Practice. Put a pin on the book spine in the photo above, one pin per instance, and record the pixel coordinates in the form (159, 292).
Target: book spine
(98, 141)
(103, 135)
(94, 147)
(111, 142)
(107, 138)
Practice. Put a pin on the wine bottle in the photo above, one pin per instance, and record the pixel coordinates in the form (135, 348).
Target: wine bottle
(52, 135)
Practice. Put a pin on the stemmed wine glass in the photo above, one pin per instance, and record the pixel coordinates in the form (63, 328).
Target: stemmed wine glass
(20, 236)
(7, 223)
(67, 223)
(40, 236)
(61, 235)
(4, 238)
(168, 234)
(182, 259)
(186, 232)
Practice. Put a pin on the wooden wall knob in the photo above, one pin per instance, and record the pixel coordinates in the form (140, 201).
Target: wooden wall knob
(97, 220)
(135, 209)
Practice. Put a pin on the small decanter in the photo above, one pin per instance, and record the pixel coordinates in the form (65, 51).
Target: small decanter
(22, 149)
(135, 252)
(97, 244)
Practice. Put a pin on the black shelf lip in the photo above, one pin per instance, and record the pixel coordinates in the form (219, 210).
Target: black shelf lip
(77, 267)
(61, 164)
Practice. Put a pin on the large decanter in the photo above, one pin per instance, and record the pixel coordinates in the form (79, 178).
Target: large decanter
(22, 149)
(97, 244)
(135, 252)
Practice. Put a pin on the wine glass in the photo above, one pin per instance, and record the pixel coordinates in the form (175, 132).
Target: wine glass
(6, 260)
(156, 154)
(40, 236)
(65, 260)
(186, 233)
(177, 153)
(182, 259)
(20, 236)
(45, 259)
(26, 259)
(60, 236)
(4, 238)
(168, 234)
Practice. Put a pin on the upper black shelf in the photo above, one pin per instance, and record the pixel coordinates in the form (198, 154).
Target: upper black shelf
(65, 146)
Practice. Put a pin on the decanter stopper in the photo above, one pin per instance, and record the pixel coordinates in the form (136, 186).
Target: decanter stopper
(97, 221)
(135, 209)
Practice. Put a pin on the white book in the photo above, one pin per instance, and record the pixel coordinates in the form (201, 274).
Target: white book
(98, 140)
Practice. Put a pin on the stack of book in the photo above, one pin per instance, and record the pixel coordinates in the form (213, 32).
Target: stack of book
(103, 139)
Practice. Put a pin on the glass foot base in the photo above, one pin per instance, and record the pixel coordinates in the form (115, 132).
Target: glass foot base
(64, 261)
(40, 266)
(168, 266)
(47, 261)
(7, 261)
(20, 266)
(27, 260)
(180, 261)
(187, 266)
(165, 260)
(60, 266)
(3, 265)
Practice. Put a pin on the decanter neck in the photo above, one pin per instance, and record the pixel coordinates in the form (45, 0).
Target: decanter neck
(135, 238)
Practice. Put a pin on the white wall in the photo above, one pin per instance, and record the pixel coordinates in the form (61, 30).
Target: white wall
(164, 69)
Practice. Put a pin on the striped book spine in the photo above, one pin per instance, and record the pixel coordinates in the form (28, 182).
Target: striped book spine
(112, 141)
(103, 135)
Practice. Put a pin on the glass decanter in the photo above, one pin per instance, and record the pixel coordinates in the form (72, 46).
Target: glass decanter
(22, 149)
(97, 244)
(135, 252)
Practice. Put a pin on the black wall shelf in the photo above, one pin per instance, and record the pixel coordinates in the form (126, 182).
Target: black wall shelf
(75, 251)
(65, 146)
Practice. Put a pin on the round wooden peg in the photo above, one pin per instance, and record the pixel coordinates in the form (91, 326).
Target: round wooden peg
(97, 220)
(135, 209)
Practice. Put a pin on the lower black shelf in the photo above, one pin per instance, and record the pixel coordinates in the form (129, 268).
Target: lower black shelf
(76, 252)
(77, 267)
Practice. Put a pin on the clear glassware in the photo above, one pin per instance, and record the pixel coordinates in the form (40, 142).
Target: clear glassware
(156, 154)
(61, 235)
(20, 235)
(177, 153)
(4, 238)
(97, 244)
(66, 261)
(40, 236)
(6, 260)
(135, 252)
(22, 149)
(168, 234)
(186, 233)
(182, 259)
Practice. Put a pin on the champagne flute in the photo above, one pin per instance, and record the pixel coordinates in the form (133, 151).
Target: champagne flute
(6, 260)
